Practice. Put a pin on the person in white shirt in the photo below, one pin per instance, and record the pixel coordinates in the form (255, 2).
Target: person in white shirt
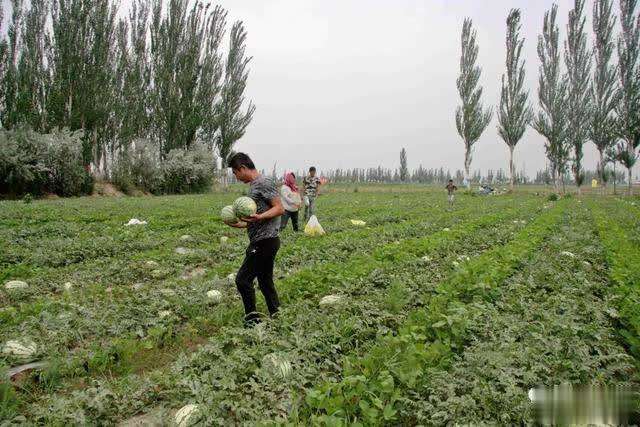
(291, 201)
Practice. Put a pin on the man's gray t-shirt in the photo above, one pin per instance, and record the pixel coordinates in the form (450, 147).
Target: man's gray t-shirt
(262, 190)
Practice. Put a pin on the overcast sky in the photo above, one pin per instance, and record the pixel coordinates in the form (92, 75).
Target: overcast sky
(349, 83)
(346, 83)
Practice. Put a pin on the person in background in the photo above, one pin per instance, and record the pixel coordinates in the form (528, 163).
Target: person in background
(263, 228)
(291, 201)
(311, 183)
(451, 188)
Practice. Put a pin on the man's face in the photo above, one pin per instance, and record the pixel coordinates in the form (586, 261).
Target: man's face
(312, 173)
(242, 174)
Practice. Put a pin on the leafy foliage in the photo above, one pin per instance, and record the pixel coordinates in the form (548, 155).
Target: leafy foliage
(551, 121)
(628, 109)
(515, 113)
(579, 103)
(604, 91)
(471, 117)
(34, 163)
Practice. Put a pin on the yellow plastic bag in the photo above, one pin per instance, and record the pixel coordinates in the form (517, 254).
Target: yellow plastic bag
(358, 222)
(313, 227)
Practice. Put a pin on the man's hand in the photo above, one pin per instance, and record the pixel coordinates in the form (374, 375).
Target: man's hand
(253, 218)
(239, 224)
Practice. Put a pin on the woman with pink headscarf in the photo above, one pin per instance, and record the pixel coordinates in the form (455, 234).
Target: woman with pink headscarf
(291, 201)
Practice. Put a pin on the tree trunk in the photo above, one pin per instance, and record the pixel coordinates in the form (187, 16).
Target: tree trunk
(511, 167)
(467, 165)
(601, 172)
(615, 177)
(630, 182)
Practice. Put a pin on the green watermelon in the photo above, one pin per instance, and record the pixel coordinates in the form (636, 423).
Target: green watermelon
(244, 207)
(228, 215)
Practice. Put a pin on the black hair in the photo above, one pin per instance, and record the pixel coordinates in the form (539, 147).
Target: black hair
(312, 169)
(239, 160)
(450, 180)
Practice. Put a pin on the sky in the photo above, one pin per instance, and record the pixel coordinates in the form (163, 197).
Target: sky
(349, 83)
(346, 83)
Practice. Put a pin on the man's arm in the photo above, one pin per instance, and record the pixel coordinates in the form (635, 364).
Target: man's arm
(275, 211)
(239, 224)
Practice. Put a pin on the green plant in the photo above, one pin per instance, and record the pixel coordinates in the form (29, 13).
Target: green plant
(188, 171)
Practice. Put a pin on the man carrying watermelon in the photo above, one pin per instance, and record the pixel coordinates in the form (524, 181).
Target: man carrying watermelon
(262, 227)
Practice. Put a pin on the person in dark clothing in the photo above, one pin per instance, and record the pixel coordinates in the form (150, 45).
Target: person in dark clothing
(451, 188)
(262, 228)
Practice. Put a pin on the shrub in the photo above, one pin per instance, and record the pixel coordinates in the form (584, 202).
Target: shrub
(138, 167)
(121, 175)
(63, 160)
(145, 166)
(553, 197)
(22, 169)
(188, 171)
(36, 163)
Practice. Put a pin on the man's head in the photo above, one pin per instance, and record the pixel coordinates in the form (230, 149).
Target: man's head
(312, 171)
(242, 167)
(450, 181)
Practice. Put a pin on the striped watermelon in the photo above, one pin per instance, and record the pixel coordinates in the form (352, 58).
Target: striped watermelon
(244, 207)
(228, 215)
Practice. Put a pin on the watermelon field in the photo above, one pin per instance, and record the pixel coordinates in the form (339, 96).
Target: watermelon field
(440, 315)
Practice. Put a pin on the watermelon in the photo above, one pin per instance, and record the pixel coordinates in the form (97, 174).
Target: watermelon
(214, 296)
(244, 207)
(186, 416)
(228, 215)
(277, 365)
(22, 349)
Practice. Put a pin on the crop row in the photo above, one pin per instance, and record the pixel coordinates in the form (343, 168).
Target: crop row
(551, 323)
(371, 384)
(619, 235)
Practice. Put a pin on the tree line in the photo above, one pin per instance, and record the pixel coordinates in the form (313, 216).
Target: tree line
(158, 76)
(590, 98)
(437, 176)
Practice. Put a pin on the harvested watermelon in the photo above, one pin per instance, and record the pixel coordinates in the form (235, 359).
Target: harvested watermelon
(244, 207)
(228, 215)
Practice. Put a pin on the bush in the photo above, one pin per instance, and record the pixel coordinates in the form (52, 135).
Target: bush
(553, 197)
(121, 173)
(22, 168)
(188, 171)
(63, 159)
(138, 167)
(35, 163)
(145, 166)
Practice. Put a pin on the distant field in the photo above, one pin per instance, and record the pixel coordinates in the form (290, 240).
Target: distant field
(445, 316)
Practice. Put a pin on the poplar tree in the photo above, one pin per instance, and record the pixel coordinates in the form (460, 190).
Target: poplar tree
(514, 113)
(471, 117)
(578, 61)
(551, 120)
(628, 109)
(604, 90)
